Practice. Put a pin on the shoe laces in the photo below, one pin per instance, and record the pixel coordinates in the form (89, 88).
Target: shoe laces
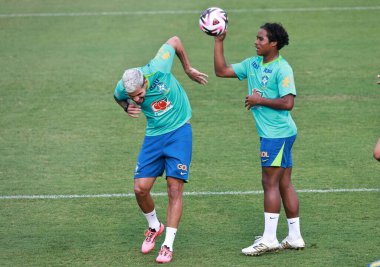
(165, 251)
(149, 234)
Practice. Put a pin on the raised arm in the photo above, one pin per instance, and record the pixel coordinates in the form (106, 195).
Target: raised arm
(193, 73)
(220, 66)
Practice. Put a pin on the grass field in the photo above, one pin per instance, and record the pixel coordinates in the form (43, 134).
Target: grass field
(61, 133)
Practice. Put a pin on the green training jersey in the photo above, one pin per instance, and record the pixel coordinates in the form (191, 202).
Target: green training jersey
(273, 80)
(166, 105)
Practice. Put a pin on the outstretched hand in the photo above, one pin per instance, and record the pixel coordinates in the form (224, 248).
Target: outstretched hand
(197, 76)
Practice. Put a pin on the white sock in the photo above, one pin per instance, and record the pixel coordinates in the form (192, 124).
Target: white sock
(169, 237)
(294, 228)
(270, 230)
(153, 222)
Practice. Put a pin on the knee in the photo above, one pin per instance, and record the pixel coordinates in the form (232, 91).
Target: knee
(140, 191)
(286, 186)
(268, 184)
(175, 192)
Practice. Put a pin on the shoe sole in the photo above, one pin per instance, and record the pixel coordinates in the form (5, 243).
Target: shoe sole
(262, 252)
(287, 246)
(163, 262)
(293, 248)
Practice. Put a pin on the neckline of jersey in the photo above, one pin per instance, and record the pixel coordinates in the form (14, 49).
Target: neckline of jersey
(262, 64)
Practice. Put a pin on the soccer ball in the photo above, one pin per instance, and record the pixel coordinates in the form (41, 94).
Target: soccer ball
(213, 21)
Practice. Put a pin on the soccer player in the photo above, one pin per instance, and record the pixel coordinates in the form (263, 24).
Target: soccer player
(271, 93)
(153, 90)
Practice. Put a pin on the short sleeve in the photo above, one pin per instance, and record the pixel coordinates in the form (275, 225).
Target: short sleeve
(241, 69)
(163, 61)
(286, 81)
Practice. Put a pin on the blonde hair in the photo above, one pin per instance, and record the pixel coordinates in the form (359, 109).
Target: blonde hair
(132, 78)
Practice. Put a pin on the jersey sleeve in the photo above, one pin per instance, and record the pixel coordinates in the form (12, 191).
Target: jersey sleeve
(241, 69)
(286, 84)
(120, 93)
(163, 61)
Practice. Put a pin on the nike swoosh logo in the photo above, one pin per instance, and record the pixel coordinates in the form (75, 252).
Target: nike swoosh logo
(182, 173)
(264, 160)
(292, 222)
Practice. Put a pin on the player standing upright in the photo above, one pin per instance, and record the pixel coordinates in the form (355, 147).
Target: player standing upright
(271, 93)
(167, 145)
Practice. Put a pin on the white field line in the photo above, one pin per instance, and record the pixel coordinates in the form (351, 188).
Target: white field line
(178, 12)
(341, 190)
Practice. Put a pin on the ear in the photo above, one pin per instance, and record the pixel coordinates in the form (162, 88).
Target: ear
(146, 83)
(273, 44)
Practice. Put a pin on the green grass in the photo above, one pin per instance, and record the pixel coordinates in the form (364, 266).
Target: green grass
(61, 133)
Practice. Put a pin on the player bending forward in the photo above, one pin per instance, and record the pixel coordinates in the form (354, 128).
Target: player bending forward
(153, 90)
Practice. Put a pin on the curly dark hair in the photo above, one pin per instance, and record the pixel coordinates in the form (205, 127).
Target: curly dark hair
(276, 33)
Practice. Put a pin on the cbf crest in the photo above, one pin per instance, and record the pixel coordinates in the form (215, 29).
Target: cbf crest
(264, 81)
(162, 88)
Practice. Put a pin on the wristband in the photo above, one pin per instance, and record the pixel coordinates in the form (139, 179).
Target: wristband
(126, 108)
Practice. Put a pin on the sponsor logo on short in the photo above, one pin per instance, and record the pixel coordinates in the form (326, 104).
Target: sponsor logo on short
(137, 168)
(182, 167)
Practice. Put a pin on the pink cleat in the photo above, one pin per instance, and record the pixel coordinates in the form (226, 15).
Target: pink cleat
(165, 255)
(150, 239)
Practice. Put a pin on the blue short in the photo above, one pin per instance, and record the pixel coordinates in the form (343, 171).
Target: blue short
(170, 152)
(276, 152)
